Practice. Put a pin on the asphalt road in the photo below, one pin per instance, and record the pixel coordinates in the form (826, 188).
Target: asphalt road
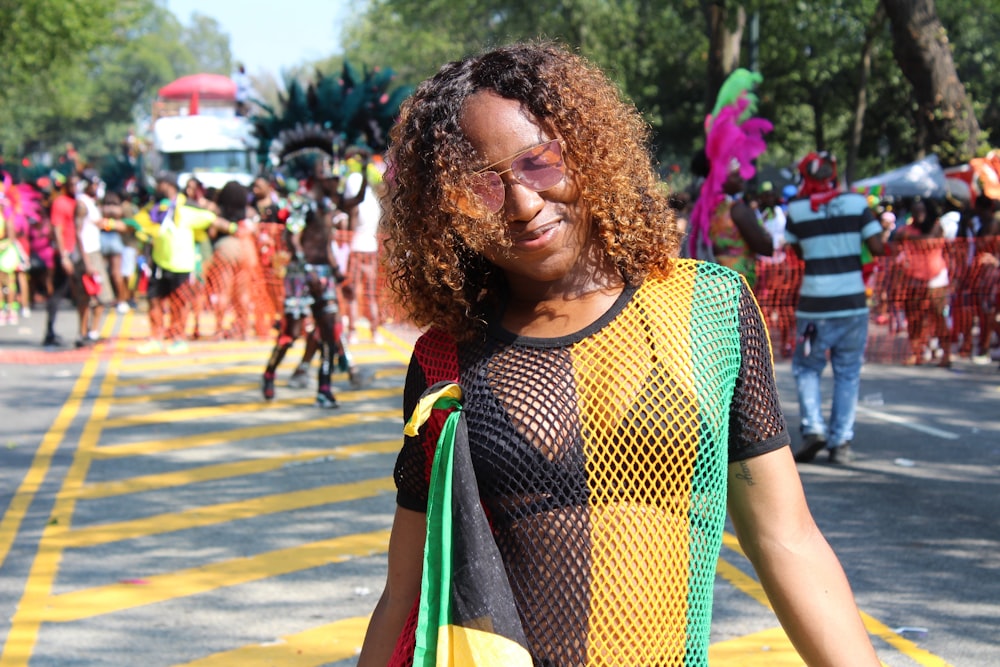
(156, 512)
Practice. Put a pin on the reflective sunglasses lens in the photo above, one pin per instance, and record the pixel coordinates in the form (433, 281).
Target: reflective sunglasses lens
(540, 168)
(489, 188)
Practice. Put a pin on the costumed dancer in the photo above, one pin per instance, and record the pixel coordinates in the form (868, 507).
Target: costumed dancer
(312, 275)
(18, 205)
(724, 229)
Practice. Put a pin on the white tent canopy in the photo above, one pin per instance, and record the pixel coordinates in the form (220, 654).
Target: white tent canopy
(924, 178)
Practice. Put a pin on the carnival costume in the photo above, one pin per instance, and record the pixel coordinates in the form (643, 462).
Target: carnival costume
(733, 139)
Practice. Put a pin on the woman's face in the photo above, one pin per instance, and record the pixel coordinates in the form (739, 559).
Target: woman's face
(551, 236)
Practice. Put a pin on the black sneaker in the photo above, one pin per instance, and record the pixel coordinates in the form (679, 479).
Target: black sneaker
(267, 387)
(325, 399)
(812, 445)
(52, 340)
(842, 454)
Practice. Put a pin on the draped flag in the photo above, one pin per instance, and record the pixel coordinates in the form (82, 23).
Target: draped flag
(467, 615)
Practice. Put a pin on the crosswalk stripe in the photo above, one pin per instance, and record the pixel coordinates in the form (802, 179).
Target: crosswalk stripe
(220, 390)
(101, 600)
(210, 515)
(258, 355)
(219, 471)
(211, 411)
(327, 643)
(158, 446)
(40, 464)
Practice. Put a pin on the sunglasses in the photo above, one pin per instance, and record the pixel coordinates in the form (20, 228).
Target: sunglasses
(538, 168)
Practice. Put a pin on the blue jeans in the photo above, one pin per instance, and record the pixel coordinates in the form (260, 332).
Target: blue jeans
(844, 338)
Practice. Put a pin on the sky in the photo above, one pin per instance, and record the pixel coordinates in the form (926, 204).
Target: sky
(269, 35)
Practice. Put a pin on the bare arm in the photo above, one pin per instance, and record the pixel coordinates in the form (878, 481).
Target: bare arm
(348, 204)
(799, 571)
(402, 588)
(753, 233)
(876, 244)
(78, 217)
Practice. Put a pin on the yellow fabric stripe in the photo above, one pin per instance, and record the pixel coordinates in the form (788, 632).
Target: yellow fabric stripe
(426, 404)
(634, 543)
(460, 646)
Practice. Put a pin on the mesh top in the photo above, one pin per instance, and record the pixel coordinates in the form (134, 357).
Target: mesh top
(601, 461)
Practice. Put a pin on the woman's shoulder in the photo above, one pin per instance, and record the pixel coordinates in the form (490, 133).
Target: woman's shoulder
(683, 269)
(694, 281)
(436, 352)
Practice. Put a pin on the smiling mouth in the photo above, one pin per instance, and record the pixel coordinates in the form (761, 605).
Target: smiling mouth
(534, 234)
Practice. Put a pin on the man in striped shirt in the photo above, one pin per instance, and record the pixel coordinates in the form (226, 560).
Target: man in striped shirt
(826, 228)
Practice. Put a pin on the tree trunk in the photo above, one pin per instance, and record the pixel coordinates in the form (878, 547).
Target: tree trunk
(862, 100)
(944, 111)
(819, 126)
(725, 32)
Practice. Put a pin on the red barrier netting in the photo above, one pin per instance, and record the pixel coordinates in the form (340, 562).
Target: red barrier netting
(929, 299)
(241, 292)
(925, 296)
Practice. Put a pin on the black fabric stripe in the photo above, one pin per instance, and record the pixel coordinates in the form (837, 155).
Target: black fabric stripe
(831, 304)
(848, 224)
(833, 265)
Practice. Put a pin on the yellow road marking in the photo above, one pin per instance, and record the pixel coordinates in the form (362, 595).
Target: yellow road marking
(101, 600)
(187, 393)
(229, 470)
(400, 348)
(211, 411)
(751, 587)
(218, 390)
(195, 358)
(150, 447)
(42, 460)
(328, 643)
(210, 515)
(201, 375)
(27, 619)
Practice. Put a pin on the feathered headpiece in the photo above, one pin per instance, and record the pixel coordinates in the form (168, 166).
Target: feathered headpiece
(307, 151)
(732, 137)
(353, 109)
(19, 204)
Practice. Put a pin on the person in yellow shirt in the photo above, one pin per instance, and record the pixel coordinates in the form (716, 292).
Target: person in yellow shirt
(174, 260)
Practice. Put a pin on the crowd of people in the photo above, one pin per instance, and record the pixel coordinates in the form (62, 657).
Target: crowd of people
(203, 263)
(937, 282)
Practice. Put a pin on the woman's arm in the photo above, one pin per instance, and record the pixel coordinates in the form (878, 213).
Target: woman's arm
(402, 588)
(754, 234)
(799, 571)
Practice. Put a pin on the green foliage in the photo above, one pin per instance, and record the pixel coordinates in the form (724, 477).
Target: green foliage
(657, 52)
(85, 72)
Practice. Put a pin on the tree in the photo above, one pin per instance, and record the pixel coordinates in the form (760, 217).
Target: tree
(725, 27)
(107, 84)
(947, 124)
(208, 44)
(669, 58)
(41, 42)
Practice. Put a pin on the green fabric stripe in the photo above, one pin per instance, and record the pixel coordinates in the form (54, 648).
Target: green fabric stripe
(714, 325)
(435, 584)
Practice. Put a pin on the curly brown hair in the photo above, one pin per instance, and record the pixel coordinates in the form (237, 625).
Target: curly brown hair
(432, 267)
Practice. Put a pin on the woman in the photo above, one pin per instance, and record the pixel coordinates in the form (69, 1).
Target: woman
(925, 283)
(527, 230)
